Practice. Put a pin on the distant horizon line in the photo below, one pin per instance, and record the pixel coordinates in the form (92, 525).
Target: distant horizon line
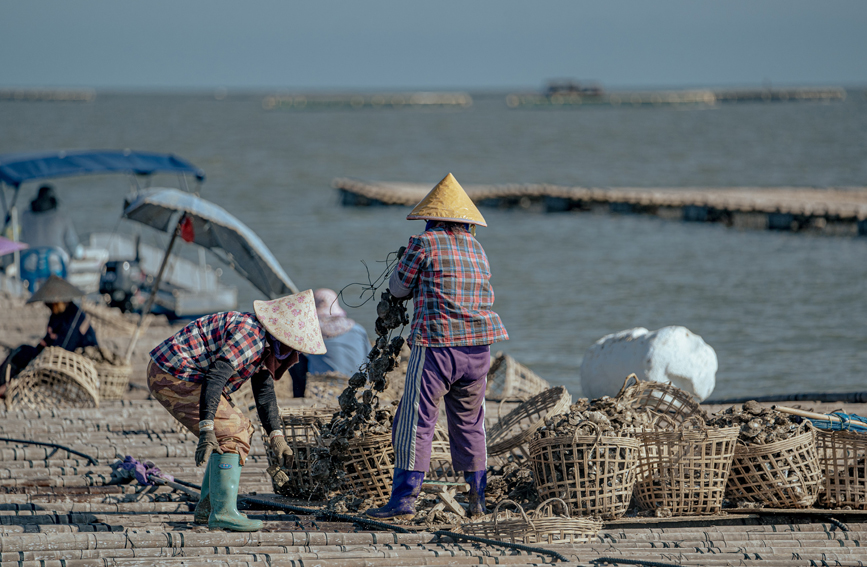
(480, 90)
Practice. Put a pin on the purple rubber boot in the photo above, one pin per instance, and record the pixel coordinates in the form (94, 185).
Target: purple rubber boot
(404, 491)
(478, 481)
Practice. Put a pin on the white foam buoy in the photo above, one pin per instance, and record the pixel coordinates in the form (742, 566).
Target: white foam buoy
(673, 355)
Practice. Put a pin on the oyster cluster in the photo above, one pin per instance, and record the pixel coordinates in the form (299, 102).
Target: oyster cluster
(605, 416)
(358, 417)
(360, 412)
(759, 425)
(514, 482)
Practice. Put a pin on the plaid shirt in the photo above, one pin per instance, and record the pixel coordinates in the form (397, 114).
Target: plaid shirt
(238, 338)
(448, 271)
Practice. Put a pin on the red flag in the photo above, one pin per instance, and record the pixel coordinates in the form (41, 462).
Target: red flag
(187, 231)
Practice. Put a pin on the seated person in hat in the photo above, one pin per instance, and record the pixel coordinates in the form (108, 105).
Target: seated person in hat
(44, 225)
(446, 271)
(346, 341)
(68, 327)
(193, 373)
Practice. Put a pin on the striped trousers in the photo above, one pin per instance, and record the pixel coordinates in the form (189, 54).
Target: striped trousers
(457, 375)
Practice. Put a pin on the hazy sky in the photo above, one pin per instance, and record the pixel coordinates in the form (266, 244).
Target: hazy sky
(439, 44)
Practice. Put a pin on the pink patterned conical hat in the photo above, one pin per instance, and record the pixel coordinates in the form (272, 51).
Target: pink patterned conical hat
(293, 321)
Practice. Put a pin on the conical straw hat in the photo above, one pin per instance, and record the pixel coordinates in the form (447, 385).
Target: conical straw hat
(55, 290)
(293, 321)
(447, 202)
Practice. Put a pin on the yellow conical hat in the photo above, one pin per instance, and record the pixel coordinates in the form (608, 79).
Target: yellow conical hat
(447, 202)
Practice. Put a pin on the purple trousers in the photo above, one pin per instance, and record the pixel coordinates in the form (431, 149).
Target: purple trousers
(457, 374)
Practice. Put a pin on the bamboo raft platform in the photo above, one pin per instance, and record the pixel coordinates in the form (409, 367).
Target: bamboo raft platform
(58, 510)
(362, 100)
(833, 210)
(675, 97)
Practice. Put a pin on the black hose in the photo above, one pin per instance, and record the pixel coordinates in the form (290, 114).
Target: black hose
(91, 460)
(622, 561)
(498, 543)
(843, 397)
(391, 527)
(325, 514)
(188, 484)
(838, 523)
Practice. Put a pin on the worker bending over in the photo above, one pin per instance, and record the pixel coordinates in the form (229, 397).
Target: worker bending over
(193, 373)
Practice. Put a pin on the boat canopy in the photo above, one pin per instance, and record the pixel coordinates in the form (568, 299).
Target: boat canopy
(214, 228)
(19, 168)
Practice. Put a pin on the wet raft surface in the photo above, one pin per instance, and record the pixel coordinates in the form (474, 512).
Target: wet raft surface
(55, 510)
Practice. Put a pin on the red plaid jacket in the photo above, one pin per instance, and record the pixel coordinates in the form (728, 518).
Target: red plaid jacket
(448, 272)
(238, 338)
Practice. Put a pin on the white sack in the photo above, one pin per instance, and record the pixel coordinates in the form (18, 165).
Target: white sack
(670, 355)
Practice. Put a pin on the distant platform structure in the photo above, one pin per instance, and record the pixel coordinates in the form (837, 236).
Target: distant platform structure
(380, 100)
(834, 210)
(567, 98)
(47, 95)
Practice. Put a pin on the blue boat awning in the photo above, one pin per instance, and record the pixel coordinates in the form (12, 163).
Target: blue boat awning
(16, 169)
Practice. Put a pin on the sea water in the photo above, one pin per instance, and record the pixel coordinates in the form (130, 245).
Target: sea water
(785, 312)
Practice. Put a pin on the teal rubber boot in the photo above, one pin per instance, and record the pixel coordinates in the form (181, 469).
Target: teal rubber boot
(225, 473)
(203, 508)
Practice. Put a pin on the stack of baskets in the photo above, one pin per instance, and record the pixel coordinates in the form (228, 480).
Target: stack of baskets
(56, 378)
(512, 434)
(540, 526)
(508, 378)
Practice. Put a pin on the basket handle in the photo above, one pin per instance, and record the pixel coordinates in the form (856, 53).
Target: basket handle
(520, 509)
(625, 384)
(560, 500)
(595, 425)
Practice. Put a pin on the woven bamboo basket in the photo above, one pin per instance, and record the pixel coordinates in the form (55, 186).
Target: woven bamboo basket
(113, 380)
(785, 474)
(664, 399)
(514, 431)
(56, 378)
(541, 525)
(301, 428)
(843, 456)
(441, 458)
(508, 378)
(369, 467)
(594, 474)
(685, 470)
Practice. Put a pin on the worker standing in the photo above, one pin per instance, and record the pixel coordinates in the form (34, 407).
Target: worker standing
(447, 272)
(193, 373)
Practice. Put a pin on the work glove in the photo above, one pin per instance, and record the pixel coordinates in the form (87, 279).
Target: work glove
(207, 445)
(282, 451)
